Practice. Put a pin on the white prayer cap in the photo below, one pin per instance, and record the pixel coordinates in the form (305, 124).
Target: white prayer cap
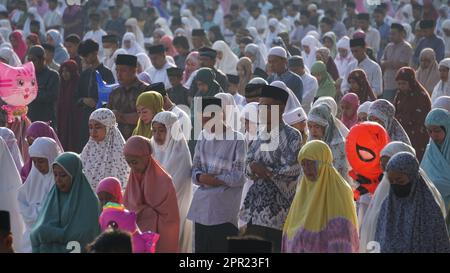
(258, 80)
(250, 112)
(278, 51)
(364, 108)
(445, 62)
(294, 116)
(312, 7)
(273, 22)
(442, 102)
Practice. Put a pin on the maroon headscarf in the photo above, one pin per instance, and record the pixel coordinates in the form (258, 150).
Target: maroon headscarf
(365, 91)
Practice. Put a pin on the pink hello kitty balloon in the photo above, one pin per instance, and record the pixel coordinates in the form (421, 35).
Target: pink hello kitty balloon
(18, 88)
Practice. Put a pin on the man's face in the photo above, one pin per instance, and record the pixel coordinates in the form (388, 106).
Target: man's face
(394, 35)
(207, 62)
(277, 64)
(429, 32)
(72, 48)
(350, 10)
(90, 58)
(197, 41)
(304, 20)
(34, 28)
(52, 5)
(359, 52)
(37, 62)
(255, 13)
(297, 70)
(324, 28)
(362, 24)
(379, 18)
(158, 60)
(125, 74)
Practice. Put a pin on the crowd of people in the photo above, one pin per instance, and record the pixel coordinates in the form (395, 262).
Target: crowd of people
(226, 125)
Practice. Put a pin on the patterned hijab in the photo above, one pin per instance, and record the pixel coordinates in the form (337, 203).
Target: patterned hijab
(105, 158)
(411, 224)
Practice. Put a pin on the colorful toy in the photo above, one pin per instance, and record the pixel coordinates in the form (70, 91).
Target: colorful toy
(104, 90)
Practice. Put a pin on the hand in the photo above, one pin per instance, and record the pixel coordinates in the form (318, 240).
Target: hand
(260, 170)
(89, 102)
(209, 180)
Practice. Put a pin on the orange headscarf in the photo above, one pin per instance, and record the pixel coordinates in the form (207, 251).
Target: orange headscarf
(152, 197)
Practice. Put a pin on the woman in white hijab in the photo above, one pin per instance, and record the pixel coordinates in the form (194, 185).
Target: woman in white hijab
(310, 46)
(172, 152)
(144, 63)
(33, 192)
(104, 157)
(442, 102)
(162, 23)
(369, 223)
(4, 42)
(11, 141)
(193, 22)
(446, 36)
(132, 26)
(230, 110)
(258, 41)
(10, 182)
(274, 29)
(292, 102)
(442, 88)
(226, 59)
(8, 55)
(33, 15)
(253, 51)
(344, 60)
(130, 44)
(331, 103)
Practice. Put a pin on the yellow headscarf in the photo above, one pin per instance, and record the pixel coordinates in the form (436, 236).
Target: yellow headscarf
(151, 100)
(318, 202)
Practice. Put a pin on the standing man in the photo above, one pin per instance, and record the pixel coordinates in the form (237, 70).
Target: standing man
(272, 165)
(310, 84)
(43, 107)
(71, 43)
(258, 21)
(49, 57)
(96, 33)
(87, 95)
(158, 70)
(372, 69)
(181, 44)
(430, 40)
(278, 66)
(372, 34)
(122, 100)
(397, 54)
(199, 39)
(110, 45)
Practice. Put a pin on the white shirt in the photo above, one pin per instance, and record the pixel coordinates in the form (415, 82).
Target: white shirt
(183, 120)
(52, 18)
(374, 75)
(160, 75)
(373, 39)
(240, 100)
(259, 23)
(310, 87)
(96, 35)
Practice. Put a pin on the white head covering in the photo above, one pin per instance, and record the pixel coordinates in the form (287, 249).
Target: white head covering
(442, 88)
(331, 103)
(6, 24)
(11, 141)
(295, 116)
(26, 27)
(133, 23)
(105, 158)
(32, 193)
(442, 102)
(314, 33)
(250, 112)
(230, 109)
(313, 44)
(10, 56)
(4, 37)
(446, 25)
(364, 108)
(344, 43)
(260, 60)
(144, 61)
(292, 102)
(258, 40)
(135, 48)
(229, 60)
(10, 182)
(162, 23)
(258, 80)
(278, 51)
(175, 158)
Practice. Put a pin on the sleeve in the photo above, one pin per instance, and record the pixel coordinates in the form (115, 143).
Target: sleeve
(196, 164)
(440, 51)
(300, 90)
(377, 82)
(235, 177)
(27, 210)
(288, 169)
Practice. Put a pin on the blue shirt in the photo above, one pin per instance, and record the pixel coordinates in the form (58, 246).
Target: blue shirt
(292, 80)
(436, 43)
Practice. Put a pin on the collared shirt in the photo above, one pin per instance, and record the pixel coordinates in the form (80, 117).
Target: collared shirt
(123, 99)
(401, 52)
(310, 87)
(160, 75)
(52, 18)
(225, 160)
(436, 43)
(374, 75)
(292, 80)
(268, 201)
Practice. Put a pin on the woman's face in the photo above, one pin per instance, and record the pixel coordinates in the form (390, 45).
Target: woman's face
(436, 133)
(50, 40)
(145, 114)
(65, 74)
(202, 87)
(97, 131)
(306, 49)
(41, 164)
(383, 162)
(159, 132)
(362, 117)
(139, 68)
(354, 85)
(316, 131)
(317, 76)
(343, 52)
(377, 120)
(191, 65)
(347, 109)
(443, 73)
(425, 62)
(219, 55)
(129, 28)
(398, 178)
(327, 42)
(320, 57)
(310, 169)
(250, 56)
(403, 86)
(157, 39)
(62, 179)
(14, 41)
(105, 197)
(300, 126)
(136, 163)
(127, 44)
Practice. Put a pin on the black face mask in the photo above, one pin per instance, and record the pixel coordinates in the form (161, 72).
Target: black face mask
(401, 191)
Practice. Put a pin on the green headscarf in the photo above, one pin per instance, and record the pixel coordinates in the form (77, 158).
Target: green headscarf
(326, 83)
(151, 100)
(333, 49)
(67, 217)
